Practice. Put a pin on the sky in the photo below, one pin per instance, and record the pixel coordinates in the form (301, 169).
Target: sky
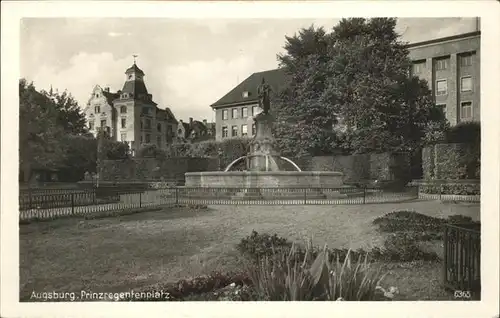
(188, 64)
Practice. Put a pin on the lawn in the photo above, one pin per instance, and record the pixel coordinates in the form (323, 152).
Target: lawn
(135, 251)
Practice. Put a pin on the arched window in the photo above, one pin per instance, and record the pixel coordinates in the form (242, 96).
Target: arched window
(123, 109)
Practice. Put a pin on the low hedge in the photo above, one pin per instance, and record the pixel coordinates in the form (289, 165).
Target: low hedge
(451, 188)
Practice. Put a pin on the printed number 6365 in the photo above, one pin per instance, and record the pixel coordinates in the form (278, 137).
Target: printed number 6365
(462, 294)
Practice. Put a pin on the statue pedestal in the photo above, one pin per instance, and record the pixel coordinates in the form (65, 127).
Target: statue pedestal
(262, 147)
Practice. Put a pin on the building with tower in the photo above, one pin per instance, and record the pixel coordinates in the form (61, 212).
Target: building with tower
(130, 114)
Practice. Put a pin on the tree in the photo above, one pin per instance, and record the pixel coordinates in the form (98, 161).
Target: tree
(354, 79)
(81, 156)
(69, 115)
(151, 151)
(39, 133)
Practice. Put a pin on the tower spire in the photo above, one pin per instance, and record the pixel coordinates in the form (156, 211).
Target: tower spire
(135, 56)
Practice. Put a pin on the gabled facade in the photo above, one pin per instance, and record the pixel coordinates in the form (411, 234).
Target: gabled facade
(235, 110)
(131, 115)
(195, 131)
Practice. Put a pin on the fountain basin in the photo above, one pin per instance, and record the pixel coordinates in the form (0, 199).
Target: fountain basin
(264, 179)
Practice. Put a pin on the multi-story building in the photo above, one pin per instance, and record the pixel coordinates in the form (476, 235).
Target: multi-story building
(234, 111)
(450, 65)
(130, 115)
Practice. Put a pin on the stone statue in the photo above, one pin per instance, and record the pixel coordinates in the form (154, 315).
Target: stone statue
(263, 92)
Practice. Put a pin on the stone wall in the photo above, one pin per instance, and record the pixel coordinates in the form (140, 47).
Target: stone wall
(152, 169)
(451, 161)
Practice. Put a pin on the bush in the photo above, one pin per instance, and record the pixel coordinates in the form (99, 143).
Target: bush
(451, 188)
(186, 289)
(150, 151)
(282, 277)
(468, 132)
(415, 227)
(256, 246)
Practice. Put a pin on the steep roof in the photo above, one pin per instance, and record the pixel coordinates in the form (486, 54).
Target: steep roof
(275, 78)
(166, 114)
(135, 88)
(110, 96)
(134, 68)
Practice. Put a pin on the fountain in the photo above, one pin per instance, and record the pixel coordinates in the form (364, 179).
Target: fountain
(264, 166)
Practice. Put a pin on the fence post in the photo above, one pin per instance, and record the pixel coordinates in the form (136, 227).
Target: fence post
(445, 261)
(305, 196)
(30, 199)
(441, 192)
(176, 195)
(364, 194)
(140, 199)
(72, 203)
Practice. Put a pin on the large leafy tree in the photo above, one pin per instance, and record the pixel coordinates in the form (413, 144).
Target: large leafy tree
(69, 115)
(53, 134)
(350, 89)
(39, 134)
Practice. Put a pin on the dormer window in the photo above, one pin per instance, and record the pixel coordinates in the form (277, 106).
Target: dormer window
(245, 94)
(96, 95)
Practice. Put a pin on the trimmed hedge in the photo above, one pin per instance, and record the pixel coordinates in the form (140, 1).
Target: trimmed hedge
(462, 188)
(451, 161)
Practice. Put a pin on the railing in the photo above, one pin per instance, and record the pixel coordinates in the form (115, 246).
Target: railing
(52, 203)
(462, 261)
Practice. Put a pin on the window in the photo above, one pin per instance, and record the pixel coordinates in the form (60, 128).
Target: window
(91, 125)
(441, 64)
(123, 137)
(245, 94)
(443, 107)
(466, 84)
(158, 127)
(235, 112)
(466, 110)
(234, 131)
(418, 67)
(96, 95)
(224, 132)
(224, 114)
(145, 110)
(253, 129)
(103, 123)
(244, 112)
(123, 109)
(158, 140)
(466, 59)
(244, 130)
(124, 122)
(254, 110)
(441, 87)
(148, 138)
(148, 123)
(97, 109)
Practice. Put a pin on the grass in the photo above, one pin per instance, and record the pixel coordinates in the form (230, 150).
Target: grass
(135, 251)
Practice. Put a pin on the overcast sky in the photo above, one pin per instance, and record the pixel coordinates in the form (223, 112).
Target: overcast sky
(189, 64)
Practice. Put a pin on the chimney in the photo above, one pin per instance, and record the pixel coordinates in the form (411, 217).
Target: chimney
(190, 120)
(106, 89)
(204, 122)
